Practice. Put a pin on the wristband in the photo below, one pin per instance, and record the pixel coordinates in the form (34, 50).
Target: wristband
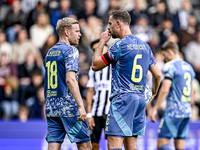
(89, 115)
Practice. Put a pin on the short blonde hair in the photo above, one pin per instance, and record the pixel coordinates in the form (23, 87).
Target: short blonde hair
(65, 23)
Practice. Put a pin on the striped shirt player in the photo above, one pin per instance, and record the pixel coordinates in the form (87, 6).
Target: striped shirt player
(101, 81)
(61, 107)
(131, 59)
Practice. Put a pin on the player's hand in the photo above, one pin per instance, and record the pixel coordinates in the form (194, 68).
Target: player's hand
(105, 36)
(82, 113)
(153, 115)
(91, 123)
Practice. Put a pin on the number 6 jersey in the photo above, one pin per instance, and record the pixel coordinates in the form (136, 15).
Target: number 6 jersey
(179, 97)
(60, 59)
(131, 59)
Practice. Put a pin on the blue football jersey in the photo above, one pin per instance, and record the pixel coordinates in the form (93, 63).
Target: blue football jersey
(131, 60)
(179, 97)
(60, 59)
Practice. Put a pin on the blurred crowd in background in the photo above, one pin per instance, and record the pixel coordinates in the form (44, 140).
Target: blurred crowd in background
(27, 32)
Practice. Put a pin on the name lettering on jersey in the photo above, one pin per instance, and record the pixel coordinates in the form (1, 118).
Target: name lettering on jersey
(136, 47)
(51, 93)
(135, 87)
(103, 85)
(185, 67)
(53, 53)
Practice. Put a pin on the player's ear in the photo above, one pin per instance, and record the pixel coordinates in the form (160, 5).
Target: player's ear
(118, 23)
(67, 32)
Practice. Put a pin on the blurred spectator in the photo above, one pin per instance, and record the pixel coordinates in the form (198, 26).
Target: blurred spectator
(28, 5)
(92, 30)
(192, 51)
(180, 19)
(33, 15)
(136, 11)
(154, 42)
(63, 11)
(27, 69)
(188, 34)
(21, 48)
(173, 37)
(30, 92)
(23, 113)
(40, 31)
(4, 8)
(7, 69)
(14, 21)
(113, 5)
(51, 41)
(160, 15)
(142, 29)
(83, 63)
(166, 31)
(90, 9)
(37, 110)
(5, 47)
(9, 103)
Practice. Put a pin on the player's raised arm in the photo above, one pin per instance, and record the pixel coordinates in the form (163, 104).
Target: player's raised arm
(97, 62)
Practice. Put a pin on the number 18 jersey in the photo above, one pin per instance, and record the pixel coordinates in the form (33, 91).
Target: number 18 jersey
(131, 59)
(60, 59)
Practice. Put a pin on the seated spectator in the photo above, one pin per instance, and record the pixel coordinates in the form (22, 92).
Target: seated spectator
(30, 92)
(23, 113)
(40, 31)
(9, 103)
(189, 34)
(192, 55)
(64, 10)
(180, 19)
(5, 47)
(33, 15)
(90, 9)
(167, 29)
(7, 68)
(160, 15)
(92, 30)
(37, 110)
(51, 41)
(142, 29)
(113, 5)
(22, 47)
(14, 21)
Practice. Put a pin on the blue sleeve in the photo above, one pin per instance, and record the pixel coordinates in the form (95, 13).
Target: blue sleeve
(168, 71)
(115, 50)
(72, 60)
(152, 59)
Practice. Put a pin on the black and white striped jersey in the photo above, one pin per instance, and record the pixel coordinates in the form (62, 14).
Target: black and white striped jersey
(101, 81)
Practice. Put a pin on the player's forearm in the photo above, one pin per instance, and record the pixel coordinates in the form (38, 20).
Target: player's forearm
(156, 84)
(161, 97)
(96, 61)
(74, 89)
(89, 99)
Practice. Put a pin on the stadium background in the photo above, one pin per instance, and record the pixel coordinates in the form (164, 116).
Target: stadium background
(27, 31)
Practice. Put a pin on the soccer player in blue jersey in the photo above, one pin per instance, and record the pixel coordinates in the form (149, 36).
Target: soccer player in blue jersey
(65, 111)
(177, 90)
(131, 58)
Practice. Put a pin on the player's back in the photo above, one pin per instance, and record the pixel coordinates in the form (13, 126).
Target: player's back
(133, 57)
(178, 100)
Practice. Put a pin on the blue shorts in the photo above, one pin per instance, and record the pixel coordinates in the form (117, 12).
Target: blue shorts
(126, 116)
(58, 127)
(173, 127)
